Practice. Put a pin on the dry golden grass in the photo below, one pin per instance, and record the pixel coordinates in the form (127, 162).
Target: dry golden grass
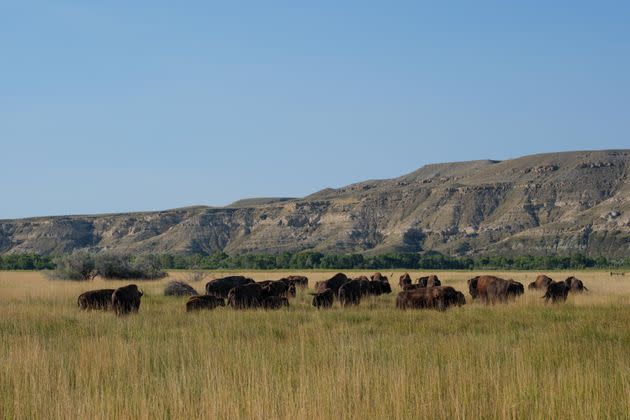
(522, 360)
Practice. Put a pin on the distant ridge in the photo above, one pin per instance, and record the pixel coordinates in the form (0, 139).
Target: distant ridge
(555, 203)
(259, 201)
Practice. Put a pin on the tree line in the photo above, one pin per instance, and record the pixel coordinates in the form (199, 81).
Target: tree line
(128, 266)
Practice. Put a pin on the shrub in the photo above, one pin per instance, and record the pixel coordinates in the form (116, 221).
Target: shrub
(79, 266)
(118, 266)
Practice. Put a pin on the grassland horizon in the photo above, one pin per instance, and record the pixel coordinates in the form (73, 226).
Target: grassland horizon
(526, 359)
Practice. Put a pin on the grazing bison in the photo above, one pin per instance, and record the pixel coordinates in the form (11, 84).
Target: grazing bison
(429, 281)
(246, 296)
(576, 285)
(540, 283)
(491, 289)
(126, 299)
(96, 299)
(275, 302)
(350, 293)
(557, 291)
(221, 287)
(179, 288)
(298, 281)
(278, 288)
(404, 280)
(437, 297)
(377, 288)
(323, 299)
(333, 283)
(196, 303)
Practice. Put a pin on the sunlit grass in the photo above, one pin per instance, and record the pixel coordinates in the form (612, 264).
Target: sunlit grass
(523, 360)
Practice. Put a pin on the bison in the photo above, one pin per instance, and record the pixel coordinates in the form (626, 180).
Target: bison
(323, 299)
(196, 303)
(221, 287)
(333, 283)
(576, 285)
(350, 293)
(126, 299)
(491, 289)
(540, 283)
(298, 281)
(246, 296)
(378, 277)
(437, 297)
(404, 280)
(557, 291)
(429, 281)
(179, 288)
(281, 288)
(96, 299)
(377, 287)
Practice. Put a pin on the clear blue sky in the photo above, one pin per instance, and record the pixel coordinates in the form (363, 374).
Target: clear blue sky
(146, 105)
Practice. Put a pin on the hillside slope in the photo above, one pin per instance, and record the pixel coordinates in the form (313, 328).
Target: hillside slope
(548, 203)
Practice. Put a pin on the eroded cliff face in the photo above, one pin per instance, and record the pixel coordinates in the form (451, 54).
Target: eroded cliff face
(551, 203)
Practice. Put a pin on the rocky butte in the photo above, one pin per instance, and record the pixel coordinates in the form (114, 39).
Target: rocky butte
(549, 203)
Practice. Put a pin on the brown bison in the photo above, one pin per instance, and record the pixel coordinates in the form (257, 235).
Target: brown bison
(350, 293)
(333, 283)
(248, 295)
(377, 288)
(275, 302)
(196, 303)
(298, 281)
(378, 277)
(491, 289)
(280, 288)
(96, 299)
(429, 281)
(323, 299)
(540, 283)
(576, 285)
(437, 297)
(126, 299)
(221, 287)
(404, 280)
(557, 291)
(179, 288)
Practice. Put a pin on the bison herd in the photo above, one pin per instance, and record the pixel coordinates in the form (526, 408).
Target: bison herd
(239, 292)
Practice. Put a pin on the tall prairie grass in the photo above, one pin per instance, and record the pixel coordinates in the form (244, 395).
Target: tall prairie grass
(522, 360)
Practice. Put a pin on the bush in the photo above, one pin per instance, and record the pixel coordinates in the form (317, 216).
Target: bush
(83, 265)
(79, 266)
(121, 267)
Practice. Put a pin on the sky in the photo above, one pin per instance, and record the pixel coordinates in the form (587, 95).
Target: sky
(147, 105)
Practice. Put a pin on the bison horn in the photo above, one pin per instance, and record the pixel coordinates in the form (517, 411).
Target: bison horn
(141, 292)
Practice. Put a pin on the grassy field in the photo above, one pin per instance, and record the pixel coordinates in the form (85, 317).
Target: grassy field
(522, 360)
